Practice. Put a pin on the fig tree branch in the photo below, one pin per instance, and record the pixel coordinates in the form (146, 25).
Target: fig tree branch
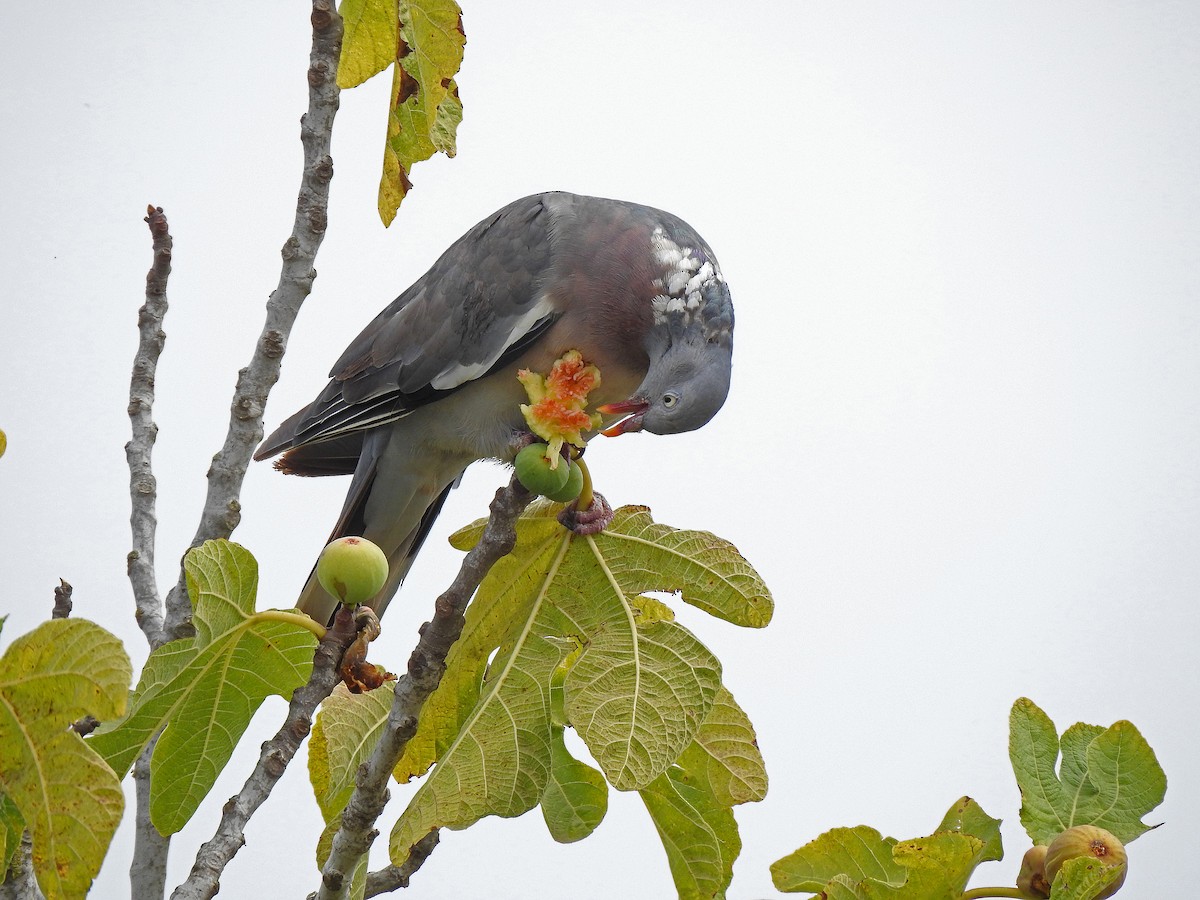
(222, 508)
(204, 879)
(391, 878)
(425, 668)
(143, 489)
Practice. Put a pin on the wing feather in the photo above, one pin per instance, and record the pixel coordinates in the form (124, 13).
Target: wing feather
(477, 307)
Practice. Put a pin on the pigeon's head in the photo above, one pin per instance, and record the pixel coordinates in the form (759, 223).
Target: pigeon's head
(690, 344)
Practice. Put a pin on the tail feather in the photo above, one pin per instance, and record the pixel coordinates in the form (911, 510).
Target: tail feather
(319, 604)
(399, 533)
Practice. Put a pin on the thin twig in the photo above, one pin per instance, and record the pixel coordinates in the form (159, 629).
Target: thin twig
(391, 878)
(425, 668)
(222, 509)
(203, 881)
(148, 871)
(143, 489)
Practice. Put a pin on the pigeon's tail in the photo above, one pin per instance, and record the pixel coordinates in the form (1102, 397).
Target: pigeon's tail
(413, 492)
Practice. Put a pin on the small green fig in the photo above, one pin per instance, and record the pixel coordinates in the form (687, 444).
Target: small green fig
(352, 569)
(1087, 840)
(572, 488)
(534, 470)
(1031, 881)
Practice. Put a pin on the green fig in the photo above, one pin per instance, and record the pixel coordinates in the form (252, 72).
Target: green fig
(535, 471)
(1087, 840)
(352, 569)
(573, 486)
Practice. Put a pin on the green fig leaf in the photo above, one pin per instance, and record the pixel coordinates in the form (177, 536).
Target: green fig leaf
(576, 795)
(201, 692)
(52, 781)
(854, 854)
(11, 828)
(1109, 777)
(1083, 878)
(967, 817)
(697, 831)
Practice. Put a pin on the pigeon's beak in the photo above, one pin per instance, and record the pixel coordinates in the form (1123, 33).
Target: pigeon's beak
(633, 411)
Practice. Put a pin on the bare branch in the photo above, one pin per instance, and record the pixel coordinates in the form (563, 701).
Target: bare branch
(203, 881)
(143, 489)
(222, 509)
(62, 600)
(148, 871)
(425, 668)
(390, 878)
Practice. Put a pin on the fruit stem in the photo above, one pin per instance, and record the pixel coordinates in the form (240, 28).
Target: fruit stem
(585, 494)
(978, 893)
(279, 615)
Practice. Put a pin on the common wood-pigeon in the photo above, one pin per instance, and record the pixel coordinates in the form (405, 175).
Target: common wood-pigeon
(430, 385)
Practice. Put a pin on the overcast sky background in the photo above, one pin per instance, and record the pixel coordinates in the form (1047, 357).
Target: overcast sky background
(963, 439)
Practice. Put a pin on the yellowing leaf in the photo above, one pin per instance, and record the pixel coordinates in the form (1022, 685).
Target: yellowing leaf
(67, 796)
(369, 41)
(425, 109)
(560, 632)
(858, 853)
(346, 730)
(728, 751)
(708, 571)
(554, 636)
(201, 692)
(857, 862)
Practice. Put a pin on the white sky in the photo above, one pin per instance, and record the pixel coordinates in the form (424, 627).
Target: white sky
(963, 439)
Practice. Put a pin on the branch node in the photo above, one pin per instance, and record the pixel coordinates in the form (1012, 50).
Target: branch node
(274, 342)
(333, 880)
(62, 600)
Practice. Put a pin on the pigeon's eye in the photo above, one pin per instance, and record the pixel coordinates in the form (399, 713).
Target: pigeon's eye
(670, 399)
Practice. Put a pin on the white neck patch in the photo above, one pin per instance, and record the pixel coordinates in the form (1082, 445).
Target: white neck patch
(687, 270)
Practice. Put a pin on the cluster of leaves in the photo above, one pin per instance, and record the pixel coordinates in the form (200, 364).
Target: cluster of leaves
(199, 692)
(424, 42)
(1108, 777)
(562, 633)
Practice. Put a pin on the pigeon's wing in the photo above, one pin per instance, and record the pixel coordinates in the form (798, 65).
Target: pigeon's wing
(478, 307)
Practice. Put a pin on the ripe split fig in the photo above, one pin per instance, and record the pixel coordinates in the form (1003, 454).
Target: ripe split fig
(352, 569)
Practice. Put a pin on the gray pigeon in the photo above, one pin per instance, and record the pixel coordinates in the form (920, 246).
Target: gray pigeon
(430, 385)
